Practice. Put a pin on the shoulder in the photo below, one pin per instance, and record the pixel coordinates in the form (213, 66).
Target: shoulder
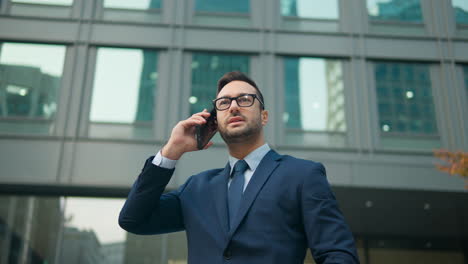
(303, 164)
(310, 175)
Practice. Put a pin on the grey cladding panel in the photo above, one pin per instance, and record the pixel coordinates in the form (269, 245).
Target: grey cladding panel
(28, 161)
(46, 31)
(404, 177)
(402, 49)
(461, 50)
(109, 164)
(232, 41)
(303, 44)
(131, 35)
(339, 173)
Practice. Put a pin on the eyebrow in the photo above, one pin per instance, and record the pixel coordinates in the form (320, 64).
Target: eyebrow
(226, 96)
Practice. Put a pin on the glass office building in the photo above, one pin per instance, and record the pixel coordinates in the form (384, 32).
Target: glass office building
(90, 89)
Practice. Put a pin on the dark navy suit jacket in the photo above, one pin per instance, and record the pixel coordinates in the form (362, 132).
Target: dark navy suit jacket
(287, 207)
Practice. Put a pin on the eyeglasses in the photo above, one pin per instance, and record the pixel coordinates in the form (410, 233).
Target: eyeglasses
(243, 100)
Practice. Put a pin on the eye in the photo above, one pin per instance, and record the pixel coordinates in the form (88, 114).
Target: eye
(224, 101)
(245, 99)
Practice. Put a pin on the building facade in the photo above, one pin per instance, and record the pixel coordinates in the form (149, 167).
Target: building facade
(370, 88)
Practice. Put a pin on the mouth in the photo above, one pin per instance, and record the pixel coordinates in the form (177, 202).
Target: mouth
(235, 120)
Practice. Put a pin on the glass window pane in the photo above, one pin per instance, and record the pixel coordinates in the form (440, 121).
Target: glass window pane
(76, 230)
(310, 9)
(30, 229)
(404, 98)
(139, 4)
(395, 10)
(461, 11)
(314, 94)
(207, 68)
(123, 89)
(30, 76)
(46, 2)
(123, 85)
(314, 101)
(239, 6)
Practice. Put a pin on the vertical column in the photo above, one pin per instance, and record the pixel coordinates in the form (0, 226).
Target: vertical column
(266, 15)
(170, 85)
(441, 90)
(5, 7)
(76, 104)
(164, 258)
(449, 97)
(10, 221)
(28, 223)
(362, 131)
(431, 17)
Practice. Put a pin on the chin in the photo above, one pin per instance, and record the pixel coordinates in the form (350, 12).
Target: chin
(236, 135)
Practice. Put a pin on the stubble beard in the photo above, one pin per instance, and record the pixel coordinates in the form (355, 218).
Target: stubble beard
(246, 134)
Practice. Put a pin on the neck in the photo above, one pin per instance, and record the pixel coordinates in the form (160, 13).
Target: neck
(241, 149)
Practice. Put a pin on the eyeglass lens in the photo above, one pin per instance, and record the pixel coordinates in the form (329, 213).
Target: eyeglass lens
(243, 100)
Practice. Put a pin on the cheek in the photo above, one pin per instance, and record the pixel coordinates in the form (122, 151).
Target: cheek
(219, 119)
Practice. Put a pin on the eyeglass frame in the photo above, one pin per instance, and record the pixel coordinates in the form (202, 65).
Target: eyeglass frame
(237, 97)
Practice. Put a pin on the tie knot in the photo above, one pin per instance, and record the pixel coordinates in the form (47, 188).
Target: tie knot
(240, 166)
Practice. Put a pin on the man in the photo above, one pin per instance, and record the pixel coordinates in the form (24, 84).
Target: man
(261, 208)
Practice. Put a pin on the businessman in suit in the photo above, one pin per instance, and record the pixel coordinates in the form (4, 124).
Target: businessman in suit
(261, 208)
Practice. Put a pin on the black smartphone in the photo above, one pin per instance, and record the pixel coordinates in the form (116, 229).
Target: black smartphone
(205, 132)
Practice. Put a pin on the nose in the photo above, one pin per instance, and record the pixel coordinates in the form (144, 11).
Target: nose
(234, 106)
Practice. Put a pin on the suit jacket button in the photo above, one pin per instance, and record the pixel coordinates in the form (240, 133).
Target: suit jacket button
(227, 254)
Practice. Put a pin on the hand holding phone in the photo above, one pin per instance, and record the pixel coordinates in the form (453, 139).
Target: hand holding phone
(204, 133)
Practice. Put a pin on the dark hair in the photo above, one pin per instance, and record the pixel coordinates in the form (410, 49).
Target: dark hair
(239, 76)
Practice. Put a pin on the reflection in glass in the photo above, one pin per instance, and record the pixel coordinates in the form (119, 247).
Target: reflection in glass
(207, 68)
(310, 9)
(314, 102)
(461, 11)
(314, 99)
(76, 230)
(239, 6)
(29, 229)
(45, 2)
(395, 10)
(139, 4)
(404, 97)
(91, 231)
(30, 76)
(124, 85)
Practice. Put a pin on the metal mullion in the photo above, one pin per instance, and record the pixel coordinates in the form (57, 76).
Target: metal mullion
(85, 109)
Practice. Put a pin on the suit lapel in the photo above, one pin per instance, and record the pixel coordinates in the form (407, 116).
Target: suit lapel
(219, 188)
(261, 175)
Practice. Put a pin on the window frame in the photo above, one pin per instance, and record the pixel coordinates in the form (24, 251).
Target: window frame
(348, 135)
(85, 122)
(439, 139)
(57, 123)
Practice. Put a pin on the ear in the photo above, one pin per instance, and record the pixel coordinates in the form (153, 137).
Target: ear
(264, 117)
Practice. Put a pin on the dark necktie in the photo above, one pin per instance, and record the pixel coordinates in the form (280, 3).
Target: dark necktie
(236, 189)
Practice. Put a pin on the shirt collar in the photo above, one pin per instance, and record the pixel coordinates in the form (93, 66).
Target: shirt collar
(253, 159)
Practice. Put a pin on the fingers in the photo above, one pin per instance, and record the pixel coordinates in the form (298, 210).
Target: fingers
(196, 119)
(193, 122)
(204, 114)
(208, 145)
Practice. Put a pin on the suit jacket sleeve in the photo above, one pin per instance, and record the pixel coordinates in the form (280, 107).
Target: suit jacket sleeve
(329, 237)
(147, 210)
